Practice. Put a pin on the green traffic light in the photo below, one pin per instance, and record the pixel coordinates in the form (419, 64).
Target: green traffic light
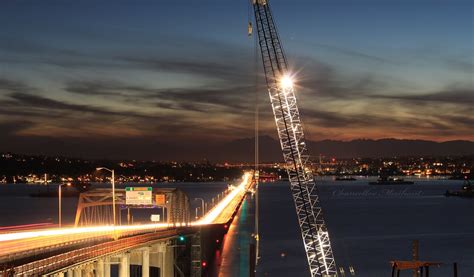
(181, 238)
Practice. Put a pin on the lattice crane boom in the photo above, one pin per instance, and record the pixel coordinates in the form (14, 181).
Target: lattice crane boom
(290, 131)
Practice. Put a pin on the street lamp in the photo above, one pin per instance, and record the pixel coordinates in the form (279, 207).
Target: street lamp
(113, 188)
(60, 202)
(202, 205)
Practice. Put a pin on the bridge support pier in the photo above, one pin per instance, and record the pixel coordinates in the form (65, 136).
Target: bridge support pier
(160, 255)
(124, 270)
(99, 268)
(77, 272)
(146, 262)
(167, 261)
(107, 267)
(89, 270)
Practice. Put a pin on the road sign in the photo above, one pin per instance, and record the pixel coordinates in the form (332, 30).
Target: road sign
(138, 195)
(155, 217)
(160, 199)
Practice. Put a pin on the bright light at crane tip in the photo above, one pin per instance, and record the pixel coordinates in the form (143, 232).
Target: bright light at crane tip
(286, 82)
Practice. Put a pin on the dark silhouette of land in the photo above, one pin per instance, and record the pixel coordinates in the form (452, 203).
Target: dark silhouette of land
(240, 150)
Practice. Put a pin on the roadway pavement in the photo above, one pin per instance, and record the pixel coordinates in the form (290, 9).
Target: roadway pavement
(15, 245)
(235, 257)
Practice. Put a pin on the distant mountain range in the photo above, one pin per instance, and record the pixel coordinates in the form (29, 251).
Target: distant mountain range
(240, 150)
(270, 149)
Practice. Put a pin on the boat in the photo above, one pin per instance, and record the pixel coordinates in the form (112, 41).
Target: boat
(385, 180)
(466, 191)
(345, 178)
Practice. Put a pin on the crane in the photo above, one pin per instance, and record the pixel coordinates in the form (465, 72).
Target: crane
(290, 132)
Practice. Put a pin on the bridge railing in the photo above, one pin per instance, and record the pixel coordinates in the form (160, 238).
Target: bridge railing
(91, 253)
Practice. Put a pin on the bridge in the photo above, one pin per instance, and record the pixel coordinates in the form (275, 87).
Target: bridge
(157, 249)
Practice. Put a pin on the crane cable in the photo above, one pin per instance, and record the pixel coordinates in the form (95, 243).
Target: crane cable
(257, 158)
(249, 18)
(256, 150)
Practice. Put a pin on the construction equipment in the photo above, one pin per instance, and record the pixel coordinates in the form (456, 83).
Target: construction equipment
(290, 131)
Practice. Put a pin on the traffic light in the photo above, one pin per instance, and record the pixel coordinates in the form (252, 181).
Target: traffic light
(181, 238)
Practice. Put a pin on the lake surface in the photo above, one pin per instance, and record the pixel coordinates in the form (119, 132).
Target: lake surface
(369, 225)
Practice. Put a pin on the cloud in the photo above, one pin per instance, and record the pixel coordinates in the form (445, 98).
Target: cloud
(11, 128)
(39, 102)
(355, 54)
(221, 107)
(95, 88)
(7, 86)
(325, 81)
(200, 99)
(453, 94)
(229, 71)
(57, 118)
(461, 65)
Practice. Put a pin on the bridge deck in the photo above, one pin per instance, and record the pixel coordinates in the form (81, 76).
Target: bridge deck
(18, 248)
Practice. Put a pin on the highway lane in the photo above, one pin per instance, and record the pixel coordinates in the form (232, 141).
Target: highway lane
(235, 255)
(223, 211)
(14, 244)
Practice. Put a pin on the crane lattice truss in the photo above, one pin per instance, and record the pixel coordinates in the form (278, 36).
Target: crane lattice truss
(290, 131)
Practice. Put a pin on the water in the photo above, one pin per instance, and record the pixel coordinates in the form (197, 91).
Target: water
(369, 225)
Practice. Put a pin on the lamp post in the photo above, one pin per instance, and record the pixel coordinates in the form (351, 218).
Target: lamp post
(60, 202)
(113, 189)
(202, 205)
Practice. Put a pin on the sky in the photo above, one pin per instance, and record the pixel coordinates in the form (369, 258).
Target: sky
(107, 74)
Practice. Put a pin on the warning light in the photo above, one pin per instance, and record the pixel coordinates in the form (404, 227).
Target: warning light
(286, 82)
(204, 264)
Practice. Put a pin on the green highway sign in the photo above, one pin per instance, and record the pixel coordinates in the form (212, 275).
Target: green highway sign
(138, 188)
(138, 195)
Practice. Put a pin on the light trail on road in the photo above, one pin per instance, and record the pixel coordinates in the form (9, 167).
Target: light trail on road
(212, 216)
(80, 230)
(15, 242)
